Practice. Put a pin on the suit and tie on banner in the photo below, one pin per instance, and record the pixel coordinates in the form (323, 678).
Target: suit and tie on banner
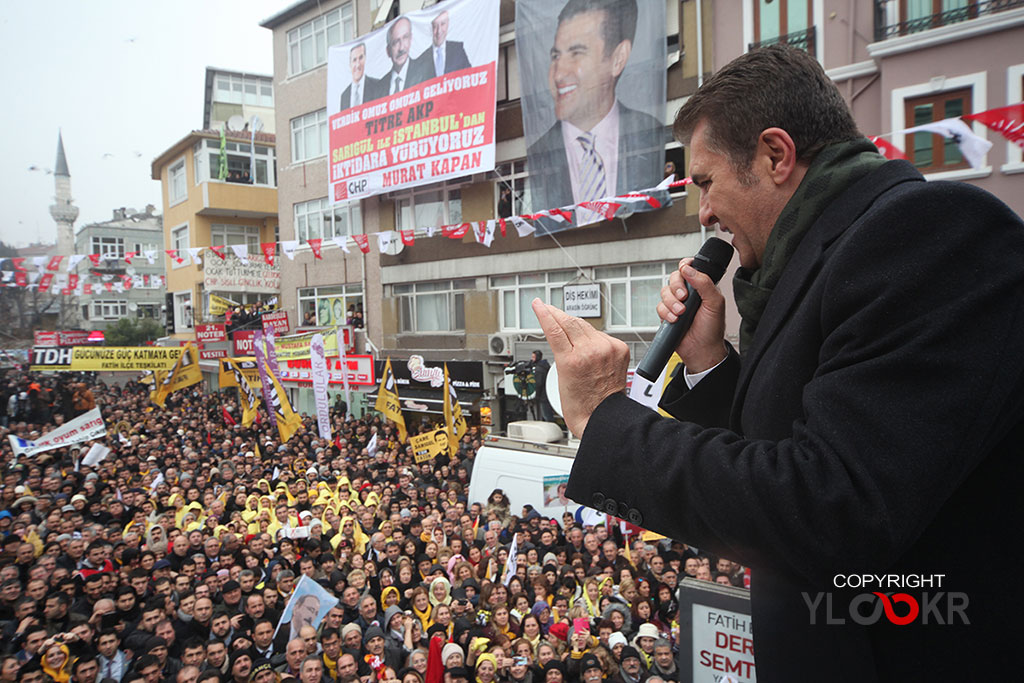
(593, 99)
(414, 102)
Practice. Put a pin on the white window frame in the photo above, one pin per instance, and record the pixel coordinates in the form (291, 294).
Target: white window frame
(316, 34)
(227, 234)
(406, 201)
(1014, 154)
(177, 192)
(105, 245)
(180, 240)
(206, 154)
(410, 294)
(979, 102)
(607, 282)
(309, 215)
(520, 174)
(313, 123)
(516, 285)
(108, 309)
(184, 313)
(144, 307)
(339, 220)
(351, 294)
(239, 88)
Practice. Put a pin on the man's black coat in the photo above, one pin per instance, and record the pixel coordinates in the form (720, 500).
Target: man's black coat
(874, 426)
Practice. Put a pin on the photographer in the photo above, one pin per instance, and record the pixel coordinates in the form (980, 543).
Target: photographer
(540, 368)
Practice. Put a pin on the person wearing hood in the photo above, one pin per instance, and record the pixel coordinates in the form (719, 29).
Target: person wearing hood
(56, 661)
(396, 634)
(620, 616)
(375, 643)
(631, 670)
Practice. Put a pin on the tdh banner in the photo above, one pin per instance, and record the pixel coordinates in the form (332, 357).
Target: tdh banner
(413, 103)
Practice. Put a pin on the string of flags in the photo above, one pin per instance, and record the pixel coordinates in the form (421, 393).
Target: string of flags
(47, 274)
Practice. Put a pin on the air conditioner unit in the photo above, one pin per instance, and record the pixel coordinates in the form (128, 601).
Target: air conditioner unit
(536, 431)
(499, 344)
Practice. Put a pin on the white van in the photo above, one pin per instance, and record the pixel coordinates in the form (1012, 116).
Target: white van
(519, 467)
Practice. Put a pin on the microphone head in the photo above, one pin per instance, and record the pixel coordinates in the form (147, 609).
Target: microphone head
(715, 254)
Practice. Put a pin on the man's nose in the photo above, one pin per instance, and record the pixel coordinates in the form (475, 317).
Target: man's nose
(706, 214)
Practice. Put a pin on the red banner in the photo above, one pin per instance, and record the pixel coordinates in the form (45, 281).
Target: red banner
(268, 252)
(887, 149)
(314, 245)
(210, 333)
(1007, 121)
(219, 251)
(363, 241)
(277, 321)
(243, 342)
(44, 282)
(408, 237)
(360, 370)
(54, 263)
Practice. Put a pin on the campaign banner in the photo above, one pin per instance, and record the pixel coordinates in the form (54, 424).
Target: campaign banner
(243, 342)
(64, 338)
(331, 312)
(85, 427)
(50, 358)
(429, 445)
(716, 636)
(594, 126)
(234, 275)
(219, 305)
(318, 367)
(309, 604)
(296, 346)
(41, 338)
(276, 321)
(213, 354)
(414, 102)
(124, 358)
(358, 370)
(265, 384)
(246, 368)
(211, 333)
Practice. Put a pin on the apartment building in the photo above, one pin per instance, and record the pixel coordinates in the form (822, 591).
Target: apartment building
(443, 300)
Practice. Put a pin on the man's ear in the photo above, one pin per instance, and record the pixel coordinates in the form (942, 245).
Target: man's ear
(778, 152)
(620, 55)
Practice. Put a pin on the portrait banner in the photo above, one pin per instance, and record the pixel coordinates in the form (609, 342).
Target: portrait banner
(429, 445)
(309, 604)
(593, 102)
(414, 102)
(85, 427)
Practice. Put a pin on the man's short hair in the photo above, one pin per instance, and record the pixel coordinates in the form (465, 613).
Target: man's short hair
(619, 21)
(775, 86)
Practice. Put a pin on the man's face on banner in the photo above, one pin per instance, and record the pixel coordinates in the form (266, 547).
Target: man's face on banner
(582, 76)
(439, 28)
(357, 62)
(399, 42)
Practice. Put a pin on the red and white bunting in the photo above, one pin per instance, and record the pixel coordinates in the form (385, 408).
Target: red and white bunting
(363, 242)
(288, 248)
(408, 237)
(341, 242)
(1008, 121)
(219, 251)
(384, 240)
(315, 245)
(241, 252)
(269, 249)
(193, 253)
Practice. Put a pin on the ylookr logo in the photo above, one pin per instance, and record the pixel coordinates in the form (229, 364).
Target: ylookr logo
(900, 609)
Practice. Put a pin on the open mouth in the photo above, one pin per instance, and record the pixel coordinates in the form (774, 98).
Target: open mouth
(566, 89)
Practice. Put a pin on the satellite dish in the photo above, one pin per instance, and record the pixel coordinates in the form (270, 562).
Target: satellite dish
(129, 270)
(236, 122)
(256, 124)
(551, 385)
(132, 306)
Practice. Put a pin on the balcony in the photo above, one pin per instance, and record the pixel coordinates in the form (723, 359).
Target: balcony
(803, 40)
(895, 18)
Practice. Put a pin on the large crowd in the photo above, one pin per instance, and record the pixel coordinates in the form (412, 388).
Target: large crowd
(173, 558)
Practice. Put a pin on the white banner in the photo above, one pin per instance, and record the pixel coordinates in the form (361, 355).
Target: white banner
(318, 368)
(85, 427)
(309, 604)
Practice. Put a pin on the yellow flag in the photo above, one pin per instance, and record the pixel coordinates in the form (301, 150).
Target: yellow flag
(248, 397)
(427, 446)
(288, 421)
(454, 421)
(219, 305)
(186, 372)
(388, 402)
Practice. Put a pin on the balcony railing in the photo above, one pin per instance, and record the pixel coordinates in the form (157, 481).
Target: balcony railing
(803, 40)
(888, 15)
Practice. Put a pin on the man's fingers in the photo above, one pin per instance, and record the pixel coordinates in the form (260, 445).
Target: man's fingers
(575, 328)
(554, 333)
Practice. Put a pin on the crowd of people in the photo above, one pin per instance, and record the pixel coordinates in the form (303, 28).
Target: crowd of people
(174, 557)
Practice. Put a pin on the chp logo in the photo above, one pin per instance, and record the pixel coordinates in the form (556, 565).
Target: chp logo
(932, 607)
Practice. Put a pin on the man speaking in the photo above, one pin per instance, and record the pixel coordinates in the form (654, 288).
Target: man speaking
(871, 426)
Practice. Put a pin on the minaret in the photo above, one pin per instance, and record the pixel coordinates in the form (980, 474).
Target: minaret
(64, 212)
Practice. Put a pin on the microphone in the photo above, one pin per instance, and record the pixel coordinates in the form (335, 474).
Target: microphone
(712, 260)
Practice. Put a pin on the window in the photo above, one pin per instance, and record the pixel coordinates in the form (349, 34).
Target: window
(176, 191)
(432, 306)
(309, 219)
(179, 241)
(148, 311)
(238, 89)
(784, 21)
(183, 311)
(508, 73)
(109, 310)
(228, 235)
(307, 44)
(517, 291)
(634, 292)
(330, 306)
(309, 136)
(511, 189)
(927, 151)
(104, 246)
(433, 206)
(241, 163)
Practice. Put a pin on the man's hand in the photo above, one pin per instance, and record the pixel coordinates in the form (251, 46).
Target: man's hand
(703, 346)
(591, 365)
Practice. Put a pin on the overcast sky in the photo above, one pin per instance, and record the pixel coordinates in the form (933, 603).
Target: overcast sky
(123, 81)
